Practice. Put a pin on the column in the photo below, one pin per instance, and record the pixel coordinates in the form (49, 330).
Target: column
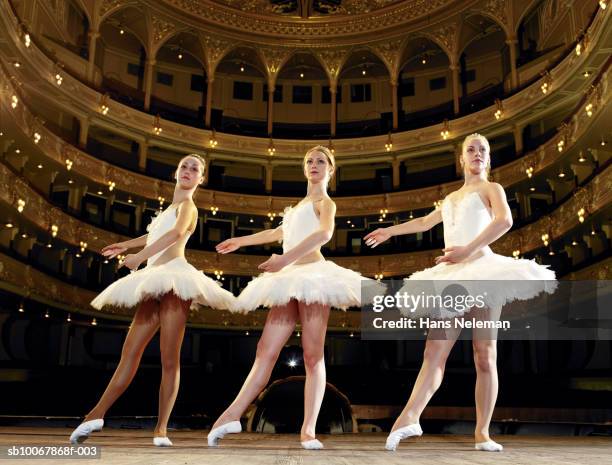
(83, 132)
(393, 83)
(143, 150)
(271, 87)
(455, 77)
(269, 172)
(209, 91)
(511, 43)
(93, 36)
(395, 163)
(518, 139)
(148, 82)
(333, 92)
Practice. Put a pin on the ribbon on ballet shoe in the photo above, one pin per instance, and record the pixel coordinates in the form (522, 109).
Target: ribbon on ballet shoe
(83, 431)
(488, 446)
(220, 431)
(396, 436)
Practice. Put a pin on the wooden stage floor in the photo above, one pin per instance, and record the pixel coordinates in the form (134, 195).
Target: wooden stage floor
(134, 447)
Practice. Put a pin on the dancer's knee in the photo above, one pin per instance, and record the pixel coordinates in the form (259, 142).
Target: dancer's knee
(485, 355)
(435, 354)
(312, 357)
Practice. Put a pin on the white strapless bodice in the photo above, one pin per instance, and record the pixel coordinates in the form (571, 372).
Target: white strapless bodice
(464, 219)
(298, 223)
(160, 225)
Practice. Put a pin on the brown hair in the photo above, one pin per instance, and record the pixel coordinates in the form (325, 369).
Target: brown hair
(328, 154)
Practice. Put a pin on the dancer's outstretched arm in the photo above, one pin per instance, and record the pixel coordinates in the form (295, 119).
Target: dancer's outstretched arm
(111, 251)
(327, 213)
(261, 237)
(416, 225)
(501, 223)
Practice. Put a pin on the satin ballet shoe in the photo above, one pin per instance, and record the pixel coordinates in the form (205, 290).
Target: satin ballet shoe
(162, 441)
(402, 433)
(312, 444)
(83, 431)
(220, 431)
(489, 446)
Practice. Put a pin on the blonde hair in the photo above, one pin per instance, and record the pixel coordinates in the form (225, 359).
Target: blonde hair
(484, 142)
(328, 154)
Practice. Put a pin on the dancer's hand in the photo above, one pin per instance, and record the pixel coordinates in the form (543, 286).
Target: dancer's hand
(111, 251)
(131, 261)
(376, 237)
(229, 245)
(454, 254)
(274, 263)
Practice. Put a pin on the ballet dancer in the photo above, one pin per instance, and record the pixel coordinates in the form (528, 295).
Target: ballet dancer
(164, 291)
(297, 285)
(474, 216)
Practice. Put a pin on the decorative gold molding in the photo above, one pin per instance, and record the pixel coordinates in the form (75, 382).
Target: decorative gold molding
(100, 172)
(78, 99)
(261, 22)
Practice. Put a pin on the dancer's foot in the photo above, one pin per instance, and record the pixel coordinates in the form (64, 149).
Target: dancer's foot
(311, 444)
(82, 432)
(220, 431)
(402, 433)
(488, 446)
(162, 441)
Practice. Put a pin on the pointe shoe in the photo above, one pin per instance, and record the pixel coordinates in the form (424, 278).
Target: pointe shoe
(489, 446)
(83, 431)
(312, 444)
(402, 433)
(162, 441)
(220, 431)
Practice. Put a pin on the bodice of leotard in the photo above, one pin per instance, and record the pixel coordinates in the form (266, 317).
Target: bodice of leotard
(298, 223)
(160, 225)
(464, 219)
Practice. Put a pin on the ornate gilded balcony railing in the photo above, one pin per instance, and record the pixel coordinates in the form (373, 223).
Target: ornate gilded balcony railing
(37, 77)
(592, 198)
(101, 173)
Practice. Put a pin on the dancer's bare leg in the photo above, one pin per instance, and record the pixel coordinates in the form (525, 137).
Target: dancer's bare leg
(173, 314)
(484, 343)
(314, 319)
(143, 328)
(437, 348)
(279, 326)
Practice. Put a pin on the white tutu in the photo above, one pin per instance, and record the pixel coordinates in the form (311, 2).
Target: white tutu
(523, 280)
(176, 276)
(464, 220)
(322, 282)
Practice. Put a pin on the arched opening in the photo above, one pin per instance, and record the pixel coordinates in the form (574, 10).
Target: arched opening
(303, 81)
(424, 85)
(121, 55)
(280, 409)
(245, 94)
(179, 81)
(484, 63)
(364, 97)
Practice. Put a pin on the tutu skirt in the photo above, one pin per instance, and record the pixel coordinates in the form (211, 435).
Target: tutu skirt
(523, 280)
(321, 282)
(176, 276)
